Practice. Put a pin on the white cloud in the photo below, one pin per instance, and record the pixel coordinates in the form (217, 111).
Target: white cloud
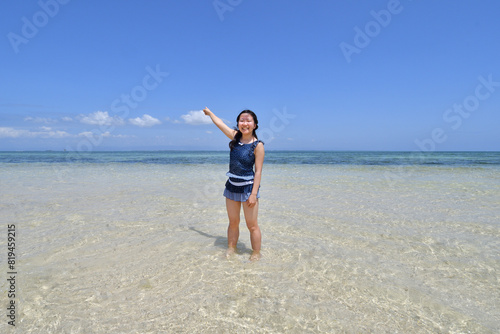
(40, 120)
(12, 133)
(107, 134)
(45, 132)
(90, 134)
(196, 117)
(101, 118)
(67, 119)
(144, 121)
(54, 134)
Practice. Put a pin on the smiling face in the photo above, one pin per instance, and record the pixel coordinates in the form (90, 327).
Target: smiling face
(246, 124)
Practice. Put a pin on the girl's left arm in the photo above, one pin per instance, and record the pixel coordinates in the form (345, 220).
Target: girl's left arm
(259, 161)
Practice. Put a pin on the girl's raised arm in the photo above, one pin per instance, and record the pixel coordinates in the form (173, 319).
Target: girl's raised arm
(220, 124)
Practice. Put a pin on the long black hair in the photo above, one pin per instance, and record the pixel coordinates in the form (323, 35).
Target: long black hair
(238, 134)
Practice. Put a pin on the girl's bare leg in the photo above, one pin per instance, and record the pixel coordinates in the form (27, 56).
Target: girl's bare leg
(233, 230)
(251, 214)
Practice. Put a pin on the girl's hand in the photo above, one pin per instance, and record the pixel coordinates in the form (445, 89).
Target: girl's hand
(252, 200)
(220, 124)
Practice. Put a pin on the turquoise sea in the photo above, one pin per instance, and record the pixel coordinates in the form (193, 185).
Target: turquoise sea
(353, 242)
(272, 157)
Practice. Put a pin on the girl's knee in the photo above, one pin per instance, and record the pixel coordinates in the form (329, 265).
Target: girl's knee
(253, 227)
(234, 222)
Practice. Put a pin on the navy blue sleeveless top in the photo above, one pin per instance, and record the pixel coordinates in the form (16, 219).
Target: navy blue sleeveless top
(241, 173)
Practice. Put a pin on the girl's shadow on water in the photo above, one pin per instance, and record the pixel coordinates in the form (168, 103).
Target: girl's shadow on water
(222, 241)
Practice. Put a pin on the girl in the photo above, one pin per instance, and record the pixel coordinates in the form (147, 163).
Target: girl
(242, 187)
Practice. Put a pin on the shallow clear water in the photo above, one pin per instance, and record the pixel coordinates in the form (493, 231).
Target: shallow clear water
(115, 247)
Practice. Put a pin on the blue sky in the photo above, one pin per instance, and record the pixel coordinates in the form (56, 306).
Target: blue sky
(323, 75)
